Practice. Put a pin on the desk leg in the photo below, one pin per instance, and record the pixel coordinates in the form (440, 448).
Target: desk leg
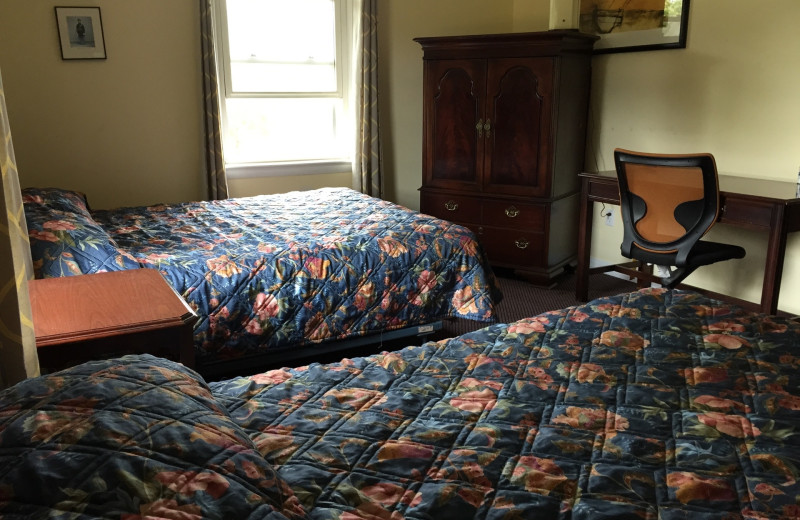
(584, 244)
(773, 270)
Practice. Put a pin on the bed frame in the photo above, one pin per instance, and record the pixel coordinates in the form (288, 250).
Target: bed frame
(325, 352)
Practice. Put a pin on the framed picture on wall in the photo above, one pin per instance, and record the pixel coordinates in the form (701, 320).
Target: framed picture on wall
(80, 31)
(635, 25)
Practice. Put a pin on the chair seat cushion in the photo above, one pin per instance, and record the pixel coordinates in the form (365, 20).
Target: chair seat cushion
(703, 253)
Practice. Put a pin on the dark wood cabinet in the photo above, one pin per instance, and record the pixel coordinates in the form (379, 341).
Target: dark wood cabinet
(503, 142)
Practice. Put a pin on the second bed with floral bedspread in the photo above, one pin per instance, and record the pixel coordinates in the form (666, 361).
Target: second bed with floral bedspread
(272, 272)
(654, 405)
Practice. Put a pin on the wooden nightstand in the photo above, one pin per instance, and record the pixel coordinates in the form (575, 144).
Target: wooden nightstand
(104, 315)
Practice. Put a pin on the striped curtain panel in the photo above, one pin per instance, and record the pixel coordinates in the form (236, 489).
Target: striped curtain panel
(367, 174)
(18, 358)
(215, 165)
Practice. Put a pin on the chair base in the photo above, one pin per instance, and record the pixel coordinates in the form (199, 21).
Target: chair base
(644, 279)
(703, 253)
(674, 276)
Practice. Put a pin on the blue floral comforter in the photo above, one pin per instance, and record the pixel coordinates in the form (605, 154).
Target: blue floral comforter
(269, 272)
(130, 439)
(651, 405)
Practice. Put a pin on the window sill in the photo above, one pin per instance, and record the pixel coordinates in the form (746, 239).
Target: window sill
(244, 171)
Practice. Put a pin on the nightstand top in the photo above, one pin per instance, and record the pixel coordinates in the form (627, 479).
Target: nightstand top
(75, 308)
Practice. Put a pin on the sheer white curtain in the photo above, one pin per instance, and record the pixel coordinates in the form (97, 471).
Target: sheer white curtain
(367, 172)
(18, 358)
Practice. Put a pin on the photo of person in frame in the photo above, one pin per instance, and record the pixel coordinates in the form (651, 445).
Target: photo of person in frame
(81, 31)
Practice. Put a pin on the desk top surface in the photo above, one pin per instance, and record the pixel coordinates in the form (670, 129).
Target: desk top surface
(729, 183)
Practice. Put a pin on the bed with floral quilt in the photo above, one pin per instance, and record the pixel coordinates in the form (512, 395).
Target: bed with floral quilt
(269, 274)
(650, 405)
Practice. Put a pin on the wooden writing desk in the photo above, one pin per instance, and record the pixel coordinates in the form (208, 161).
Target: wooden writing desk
(758, 204)
(102, 315)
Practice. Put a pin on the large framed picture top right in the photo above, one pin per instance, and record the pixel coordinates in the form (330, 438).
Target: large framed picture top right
(635, 25)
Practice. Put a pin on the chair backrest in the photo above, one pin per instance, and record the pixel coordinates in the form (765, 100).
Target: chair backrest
(668, 202)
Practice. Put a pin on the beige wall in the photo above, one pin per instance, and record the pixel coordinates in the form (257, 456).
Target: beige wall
(531, 15)
(113, 128)
(128, 130)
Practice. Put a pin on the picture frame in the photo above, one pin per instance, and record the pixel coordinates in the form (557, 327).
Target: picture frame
(635, 25)
(80, 33)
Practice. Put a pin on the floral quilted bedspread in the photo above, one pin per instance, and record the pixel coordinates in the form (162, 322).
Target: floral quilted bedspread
(651, 405)
(130, 439)
(271, 271)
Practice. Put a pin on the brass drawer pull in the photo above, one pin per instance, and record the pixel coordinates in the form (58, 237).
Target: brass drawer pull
(522, 243)
(451, 205)
(480, 230)
(479, 127)
(487, 127)
(512, 212)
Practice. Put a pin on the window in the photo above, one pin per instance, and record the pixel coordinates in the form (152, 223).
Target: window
(284, 79)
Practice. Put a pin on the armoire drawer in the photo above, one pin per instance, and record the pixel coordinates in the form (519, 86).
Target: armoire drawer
(512, 247)
(456, 208)
(513, 215)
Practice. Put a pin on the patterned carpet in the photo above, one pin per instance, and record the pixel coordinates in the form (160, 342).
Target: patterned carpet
(521, 299)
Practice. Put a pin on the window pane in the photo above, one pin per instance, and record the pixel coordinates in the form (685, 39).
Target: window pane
(282, 77)
(272, 39)
(274, 130)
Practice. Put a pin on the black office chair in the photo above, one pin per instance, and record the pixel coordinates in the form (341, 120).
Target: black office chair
(668, 202)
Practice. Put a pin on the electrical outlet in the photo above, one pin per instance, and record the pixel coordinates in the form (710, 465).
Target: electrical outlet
(609, 215)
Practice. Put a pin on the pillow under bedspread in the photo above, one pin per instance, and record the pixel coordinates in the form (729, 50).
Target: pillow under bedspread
(138, 437)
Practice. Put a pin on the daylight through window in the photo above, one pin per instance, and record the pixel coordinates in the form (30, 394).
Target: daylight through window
(284, 72)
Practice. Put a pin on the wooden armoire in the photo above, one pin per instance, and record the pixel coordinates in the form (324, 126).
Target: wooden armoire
(504, 134)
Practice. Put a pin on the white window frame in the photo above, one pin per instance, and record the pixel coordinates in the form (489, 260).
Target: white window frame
(345, 125)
